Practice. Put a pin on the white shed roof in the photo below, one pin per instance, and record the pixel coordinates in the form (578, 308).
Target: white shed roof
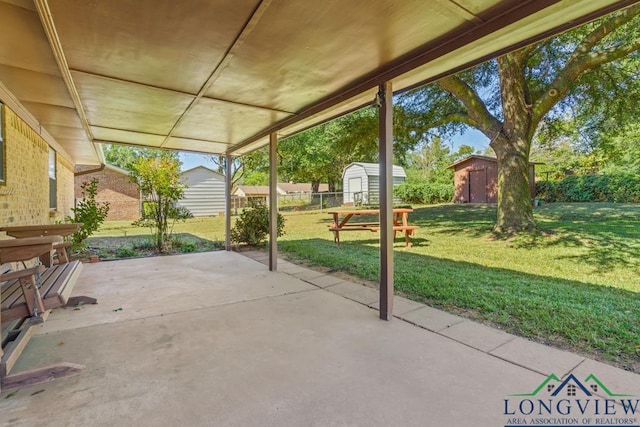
(373, 169)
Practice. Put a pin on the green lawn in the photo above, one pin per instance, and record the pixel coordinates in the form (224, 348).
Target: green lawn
(576, 285)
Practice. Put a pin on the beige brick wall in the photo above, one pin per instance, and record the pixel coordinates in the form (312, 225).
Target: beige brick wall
(24, 198)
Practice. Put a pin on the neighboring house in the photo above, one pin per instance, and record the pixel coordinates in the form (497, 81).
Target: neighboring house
(291, 188)
(476, 179)
(205, 192)
(252, 191)
(361, 182)
(114, 187)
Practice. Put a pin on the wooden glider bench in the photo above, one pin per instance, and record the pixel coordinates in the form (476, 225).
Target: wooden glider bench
(28, 295)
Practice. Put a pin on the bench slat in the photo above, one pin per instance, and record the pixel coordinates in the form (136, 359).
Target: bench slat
(57, 284)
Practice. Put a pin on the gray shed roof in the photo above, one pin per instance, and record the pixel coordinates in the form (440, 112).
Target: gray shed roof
(373, 169)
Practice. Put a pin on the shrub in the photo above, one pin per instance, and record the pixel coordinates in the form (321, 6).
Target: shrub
(252, 227)
(89, 212)
(126, 252)
(618, 187)
(160, 184)
(424, 193)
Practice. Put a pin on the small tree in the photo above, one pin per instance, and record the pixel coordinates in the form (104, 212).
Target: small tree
(88, 212)
(159, 179)
(252, 227)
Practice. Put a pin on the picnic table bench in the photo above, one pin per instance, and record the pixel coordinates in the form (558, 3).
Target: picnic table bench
(27, 297)
(400, 223)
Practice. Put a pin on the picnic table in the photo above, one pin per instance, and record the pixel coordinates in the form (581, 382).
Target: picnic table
(400, 223)
(43, 230)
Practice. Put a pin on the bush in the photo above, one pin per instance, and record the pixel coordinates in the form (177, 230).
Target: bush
(252, 227)
(126, 252)
(618, 187)
(88, 212)
(424, 193)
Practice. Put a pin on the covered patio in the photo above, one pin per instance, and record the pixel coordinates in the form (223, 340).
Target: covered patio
(217, 339)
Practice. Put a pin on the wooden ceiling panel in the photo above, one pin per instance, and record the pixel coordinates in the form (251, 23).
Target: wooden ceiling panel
(163, 43)
(81, 151)
(221, 121)
(24, 44)
(54, 115)
(300, 52)
(126, 137)
(196, 145)
(31, 86)
(128, 106)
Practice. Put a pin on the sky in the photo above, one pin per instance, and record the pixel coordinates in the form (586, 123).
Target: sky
(471, 137)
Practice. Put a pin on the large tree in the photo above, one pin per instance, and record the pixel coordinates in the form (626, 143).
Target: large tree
(583, 73)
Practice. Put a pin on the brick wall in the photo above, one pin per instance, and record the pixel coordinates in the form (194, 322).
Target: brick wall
(115, 188)
(24, 198)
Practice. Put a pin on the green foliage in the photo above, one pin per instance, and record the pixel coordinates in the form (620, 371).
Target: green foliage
(252, 227)
(88, 212)
(126, 252)
(158, 177)
(618, 188)
(123, 156)
(424, 193)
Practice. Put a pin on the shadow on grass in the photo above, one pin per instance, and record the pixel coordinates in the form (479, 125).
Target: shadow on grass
(598, 321)
(608, 235)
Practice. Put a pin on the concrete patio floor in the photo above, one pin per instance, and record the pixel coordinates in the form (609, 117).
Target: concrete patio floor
(216, 339)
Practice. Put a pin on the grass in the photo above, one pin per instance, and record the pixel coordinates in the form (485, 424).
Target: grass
(575, 285)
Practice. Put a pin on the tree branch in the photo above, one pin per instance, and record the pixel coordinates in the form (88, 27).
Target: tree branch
(583, 59)
(477, 113)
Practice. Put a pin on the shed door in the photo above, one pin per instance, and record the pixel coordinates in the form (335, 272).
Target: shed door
(355, 189)
(478, 186)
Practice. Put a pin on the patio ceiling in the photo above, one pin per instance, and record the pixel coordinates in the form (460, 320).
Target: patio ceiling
(219, 76)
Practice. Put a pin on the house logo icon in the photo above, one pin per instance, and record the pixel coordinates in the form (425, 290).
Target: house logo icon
(570, 401)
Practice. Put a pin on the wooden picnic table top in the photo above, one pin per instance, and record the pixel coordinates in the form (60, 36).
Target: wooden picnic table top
(63, 230)
(14, 250)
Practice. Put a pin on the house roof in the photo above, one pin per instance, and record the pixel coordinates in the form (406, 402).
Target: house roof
(220, 76)
(188, 171)
(487, 158)
(88, 168)
(254, 190)
(300, 187)
(373, 169)
(117, 169)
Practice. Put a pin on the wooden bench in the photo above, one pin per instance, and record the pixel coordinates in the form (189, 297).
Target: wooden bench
(28, 295)
(21, 293)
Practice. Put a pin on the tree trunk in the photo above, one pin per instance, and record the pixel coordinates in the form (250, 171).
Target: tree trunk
(515, 213)
(315, 186)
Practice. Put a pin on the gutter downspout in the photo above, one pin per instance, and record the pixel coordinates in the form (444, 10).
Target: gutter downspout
(87, 172)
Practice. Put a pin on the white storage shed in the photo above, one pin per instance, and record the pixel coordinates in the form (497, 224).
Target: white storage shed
(204, 195)
(361, 182)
